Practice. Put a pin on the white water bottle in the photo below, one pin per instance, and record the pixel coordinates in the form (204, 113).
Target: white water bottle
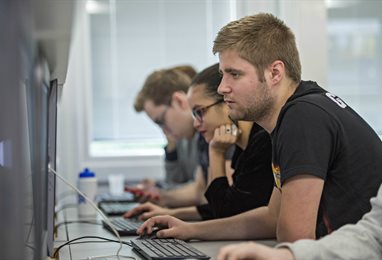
(87, 184)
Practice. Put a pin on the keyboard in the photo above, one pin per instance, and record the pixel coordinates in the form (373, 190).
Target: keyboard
(116, 208)
(166, 249)
(124, 227)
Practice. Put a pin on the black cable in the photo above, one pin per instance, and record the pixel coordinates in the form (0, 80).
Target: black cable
(77, 221)
(85, 237)
(73, 222)
(94, 241)
(30, 229)
(30, 247)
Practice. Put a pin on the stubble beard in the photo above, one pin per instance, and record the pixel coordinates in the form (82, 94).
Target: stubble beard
(258, 109)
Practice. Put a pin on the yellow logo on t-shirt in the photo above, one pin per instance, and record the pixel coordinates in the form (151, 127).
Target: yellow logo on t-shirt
(277, 175)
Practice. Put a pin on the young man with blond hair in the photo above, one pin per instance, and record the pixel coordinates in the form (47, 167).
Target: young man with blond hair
(163, 99)
(326, 158)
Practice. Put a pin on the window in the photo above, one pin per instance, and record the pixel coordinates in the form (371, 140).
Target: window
(355, 56)
(129, 40)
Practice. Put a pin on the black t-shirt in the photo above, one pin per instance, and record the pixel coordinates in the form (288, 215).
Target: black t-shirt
(319, 134)
(204, 157)
(252, 180)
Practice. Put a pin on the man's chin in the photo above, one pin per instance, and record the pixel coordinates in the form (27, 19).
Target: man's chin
(235, 116)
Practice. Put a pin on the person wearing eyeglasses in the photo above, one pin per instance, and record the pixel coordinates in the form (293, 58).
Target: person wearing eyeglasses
(180, 152)
(252, 181)
(163, 99)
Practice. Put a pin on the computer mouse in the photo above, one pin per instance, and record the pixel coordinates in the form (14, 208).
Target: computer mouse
(154, 232)
(152, 235)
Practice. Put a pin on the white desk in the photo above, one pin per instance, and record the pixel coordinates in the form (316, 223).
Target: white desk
(83, 251)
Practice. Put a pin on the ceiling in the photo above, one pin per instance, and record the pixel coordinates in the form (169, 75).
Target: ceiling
(53, 21)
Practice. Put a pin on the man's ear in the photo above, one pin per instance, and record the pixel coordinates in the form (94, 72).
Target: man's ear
(276, 72)
(179, 99)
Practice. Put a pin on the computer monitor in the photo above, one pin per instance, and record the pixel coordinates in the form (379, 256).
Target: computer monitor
(24, 77)
(51, 181)
(17, 217)
(37, 101)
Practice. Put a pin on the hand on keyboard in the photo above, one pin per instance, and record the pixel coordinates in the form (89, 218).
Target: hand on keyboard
(146, 211)
(175, 227)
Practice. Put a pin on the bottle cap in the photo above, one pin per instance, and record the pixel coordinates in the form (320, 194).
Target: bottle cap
(86, 174)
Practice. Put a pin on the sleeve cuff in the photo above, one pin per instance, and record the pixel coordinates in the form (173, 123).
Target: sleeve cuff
(205, 211)
(302, 250)
(215, 186)
(170, 156)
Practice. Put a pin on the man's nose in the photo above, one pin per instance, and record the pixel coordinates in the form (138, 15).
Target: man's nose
(223, 87)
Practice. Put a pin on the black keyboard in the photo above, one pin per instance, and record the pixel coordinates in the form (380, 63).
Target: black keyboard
(116, 208)
(166, 249)
(124, 227)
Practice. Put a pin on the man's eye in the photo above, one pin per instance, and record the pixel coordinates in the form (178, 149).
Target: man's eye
(235, 75)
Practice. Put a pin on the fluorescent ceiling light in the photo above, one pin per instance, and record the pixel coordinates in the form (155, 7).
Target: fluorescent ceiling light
(96, 7)
(340, 3)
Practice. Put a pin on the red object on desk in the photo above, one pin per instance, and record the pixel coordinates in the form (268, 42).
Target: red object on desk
(142, 193)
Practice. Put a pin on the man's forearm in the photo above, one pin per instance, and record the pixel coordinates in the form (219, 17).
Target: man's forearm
(186, 213)
(254, 224)
(217, 165)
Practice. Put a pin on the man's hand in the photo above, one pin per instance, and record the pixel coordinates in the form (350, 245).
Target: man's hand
(175, 227)
(251, 250)
(171, 141)
(146, 211)
(143, 194)
(147, 184)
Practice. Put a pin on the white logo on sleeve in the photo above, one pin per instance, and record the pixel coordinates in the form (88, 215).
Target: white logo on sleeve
(336, 100)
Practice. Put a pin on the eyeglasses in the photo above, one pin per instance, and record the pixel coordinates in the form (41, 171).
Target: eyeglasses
(198, 113)
(161, 121)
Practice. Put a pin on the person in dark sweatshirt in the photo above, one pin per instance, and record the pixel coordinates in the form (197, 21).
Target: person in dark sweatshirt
(252, 182)
(326, 158)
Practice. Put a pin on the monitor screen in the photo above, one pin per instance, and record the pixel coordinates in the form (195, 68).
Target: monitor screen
(17, 218)
(24, 93)
(37, 100)
(51, 181)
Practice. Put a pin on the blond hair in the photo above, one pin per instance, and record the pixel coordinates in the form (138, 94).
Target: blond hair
(261, 39)
(159, 87)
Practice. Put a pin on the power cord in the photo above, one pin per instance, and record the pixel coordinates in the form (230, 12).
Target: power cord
(77, 221)
(96, 208)
(73, 222)
(106, 240)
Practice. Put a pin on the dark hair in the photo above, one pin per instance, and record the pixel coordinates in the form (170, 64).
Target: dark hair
(210, 78)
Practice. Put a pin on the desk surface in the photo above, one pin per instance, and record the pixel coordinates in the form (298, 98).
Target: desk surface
(86, 250)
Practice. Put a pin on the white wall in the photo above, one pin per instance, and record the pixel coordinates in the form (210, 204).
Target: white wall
(306, 18)
(72, 126)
